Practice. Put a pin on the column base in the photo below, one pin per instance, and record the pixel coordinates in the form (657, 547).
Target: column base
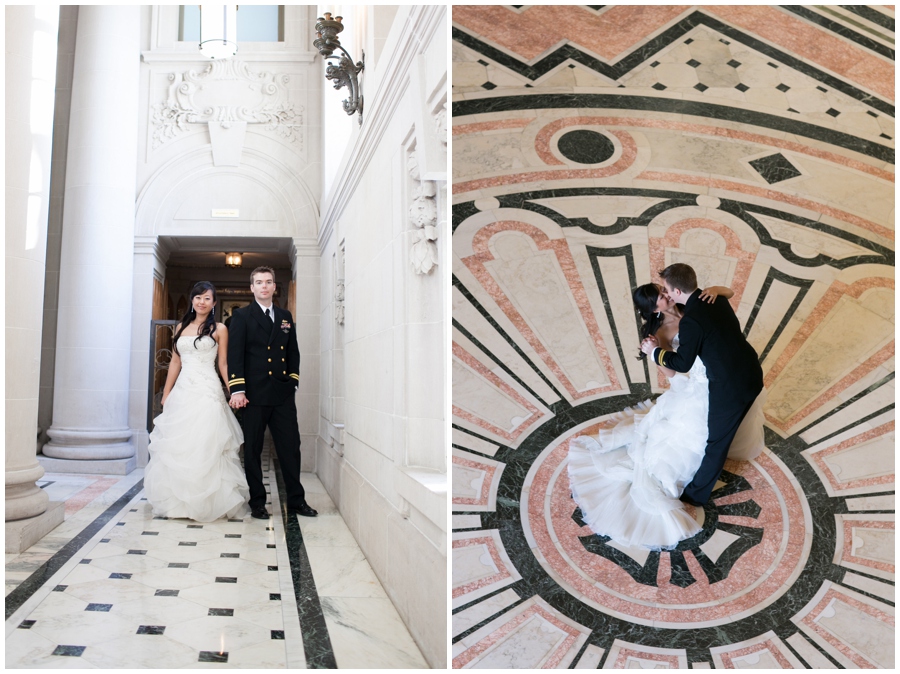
(88, 466)
(22, 534)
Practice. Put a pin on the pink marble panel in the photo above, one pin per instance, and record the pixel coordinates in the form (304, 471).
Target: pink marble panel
(88, 494)
(489, 472)
(768, 644)
(624, 653)
(806, 331)
(530, 33)
(560, 248)
(498, 383)
(672, 125)
(491, 545)
(820, 456)
(852, 655)
(767, 193)
(847, 552)
(479, 127)
(508, 627)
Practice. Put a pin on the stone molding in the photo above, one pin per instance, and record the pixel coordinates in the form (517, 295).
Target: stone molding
(423, 217)
(208, 95)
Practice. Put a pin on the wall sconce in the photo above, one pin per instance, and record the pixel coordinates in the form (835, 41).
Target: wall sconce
(233, 259)
(345, 72)
(218, 31)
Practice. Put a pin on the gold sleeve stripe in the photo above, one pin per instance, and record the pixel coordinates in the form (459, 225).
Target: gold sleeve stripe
(237, 381)
(295, 376)
(659, 357)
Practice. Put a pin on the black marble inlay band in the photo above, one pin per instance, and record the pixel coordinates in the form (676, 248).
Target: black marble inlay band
(316, 641)
(844, 31)
(36, 580)
(476, 106)
(871, 14)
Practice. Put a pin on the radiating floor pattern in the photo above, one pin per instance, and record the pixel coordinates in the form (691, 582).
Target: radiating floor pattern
(114, 587)
(593, 146)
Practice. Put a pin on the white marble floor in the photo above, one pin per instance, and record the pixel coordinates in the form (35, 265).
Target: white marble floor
(142, 592)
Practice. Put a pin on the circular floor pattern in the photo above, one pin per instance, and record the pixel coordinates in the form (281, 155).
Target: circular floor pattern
(752, 546)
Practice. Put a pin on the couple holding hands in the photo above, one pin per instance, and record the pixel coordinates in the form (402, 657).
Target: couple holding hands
(194, 470)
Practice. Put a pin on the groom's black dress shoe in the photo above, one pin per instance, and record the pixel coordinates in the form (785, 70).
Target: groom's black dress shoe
(690, 501)
(302, 509)
(259, 513)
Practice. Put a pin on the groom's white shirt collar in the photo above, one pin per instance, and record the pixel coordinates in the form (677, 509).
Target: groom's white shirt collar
(271, 307)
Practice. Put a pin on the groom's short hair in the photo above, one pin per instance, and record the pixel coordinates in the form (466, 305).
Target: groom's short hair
(262, 270)
(680, 276)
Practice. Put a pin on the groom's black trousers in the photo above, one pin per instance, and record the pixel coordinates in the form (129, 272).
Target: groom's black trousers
(723, 425)
(282, 422)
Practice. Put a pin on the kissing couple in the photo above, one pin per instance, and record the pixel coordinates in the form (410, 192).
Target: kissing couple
(632, 481)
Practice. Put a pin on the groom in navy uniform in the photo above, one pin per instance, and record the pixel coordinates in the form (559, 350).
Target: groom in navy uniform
(712, 332)
(263, 374)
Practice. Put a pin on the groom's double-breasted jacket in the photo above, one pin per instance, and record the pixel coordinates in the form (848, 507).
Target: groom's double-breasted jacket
(712, 333)
(263, 356)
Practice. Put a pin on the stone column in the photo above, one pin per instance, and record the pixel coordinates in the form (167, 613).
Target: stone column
(31, 37)
(90, 431)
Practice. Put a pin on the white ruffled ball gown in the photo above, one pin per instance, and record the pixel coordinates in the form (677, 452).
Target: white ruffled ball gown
(627, 480)
(195, 470)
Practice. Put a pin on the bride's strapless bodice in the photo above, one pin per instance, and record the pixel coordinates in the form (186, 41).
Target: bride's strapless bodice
(198, 364)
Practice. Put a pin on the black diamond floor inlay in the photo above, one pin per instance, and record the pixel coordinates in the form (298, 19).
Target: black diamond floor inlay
(226, 579)
(178, 565)
(26, 624)
(74, 651)
(212, 656)
(166, 593)
(151, 629)
(121, 576)
(775, 168)
(226, 612)
(99, 607)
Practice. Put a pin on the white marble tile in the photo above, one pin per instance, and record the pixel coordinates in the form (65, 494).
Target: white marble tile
(88, 628)
(225, 595)
(145, 651)
(266, 614)
(326, 531)
(468, 618)
(264, 655)
(158, 611)
(228, 634)
(343, 572)
(368, 633)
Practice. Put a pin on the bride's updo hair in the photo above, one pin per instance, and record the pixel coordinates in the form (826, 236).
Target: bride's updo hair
(209, 325)
(645, 298)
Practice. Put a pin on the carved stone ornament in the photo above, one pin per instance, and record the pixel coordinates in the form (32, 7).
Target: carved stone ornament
(423, 216)
(339, 302)
(227, 91)
(440, 123)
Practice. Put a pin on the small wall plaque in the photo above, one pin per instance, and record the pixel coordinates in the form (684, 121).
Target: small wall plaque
(225, 213)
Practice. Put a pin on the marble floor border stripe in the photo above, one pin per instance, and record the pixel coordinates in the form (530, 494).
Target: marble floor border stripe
(866, 391)
(847, 586)
(765, 120)
(872, 15)
(493, 616)
(818, 648)
(316, 641)
(26, 589)
(840, 29)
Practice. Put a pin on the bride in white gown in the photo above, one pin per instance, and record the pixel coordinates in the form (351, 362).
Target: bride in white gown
(194, 470)
(627, 480)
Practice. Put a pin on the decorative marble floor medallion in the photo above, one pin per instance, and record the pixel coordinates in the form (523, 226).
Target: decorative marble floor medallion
(592, 147)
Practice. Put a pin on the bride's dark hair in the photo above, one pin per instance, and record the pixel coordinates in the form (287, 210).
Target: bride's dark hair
(645, 298)
(209, 325)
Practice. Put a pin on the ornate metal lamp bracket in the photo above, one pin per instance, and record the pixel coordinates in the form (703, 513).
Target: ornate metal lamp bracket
(345, 72)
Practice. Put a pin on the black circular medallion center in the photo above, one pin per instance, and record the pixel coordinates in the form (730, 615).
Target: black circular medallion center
(585, 147)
